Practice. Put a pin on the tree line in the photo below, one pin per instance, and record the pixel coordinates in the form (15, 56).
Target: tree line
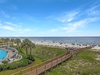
(26, 43)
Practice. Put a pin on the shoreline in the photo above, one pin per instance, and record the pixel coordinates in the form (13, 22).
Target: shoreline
(59, 44)
(65, 45)
(96, 48)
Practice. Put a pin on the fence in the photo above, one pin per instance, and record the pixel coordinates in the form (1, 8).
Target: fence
(43, 67)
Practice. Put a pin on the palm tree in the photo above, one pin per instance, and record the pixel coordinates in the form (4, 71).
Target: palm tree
(32, 45)
(2, 40)
(7, 40)
(12, 40)
(17, 41)
(26, 44)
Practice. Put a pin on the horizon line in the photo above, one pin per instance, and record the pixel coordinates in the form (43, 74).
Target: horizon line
(50, 36)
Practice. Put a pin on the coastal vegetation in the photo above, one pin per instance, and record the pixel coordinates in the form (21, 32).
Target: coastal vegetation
(32, 54)
(85, 63)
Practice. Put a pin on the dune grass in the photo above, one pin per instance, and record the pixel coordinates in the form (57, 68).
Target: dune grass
(84, 63)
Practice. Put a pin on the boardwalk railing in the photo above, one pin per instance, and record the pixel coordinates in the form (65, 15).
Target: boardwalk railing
(44, 66)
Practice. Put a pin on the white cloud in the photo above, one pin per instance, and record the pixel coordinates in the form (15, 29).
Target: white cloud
(6, 27)
(78, 19)
(94, 7)
(13, 27)
(75, 25)
(94, 11)
(68, 17)
(21, 30)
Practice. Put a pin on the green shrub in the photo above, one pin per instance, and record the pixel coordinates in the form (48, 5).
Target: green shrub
(24, 62)
(30, 61)
(5, 61)
(3, 67)
(13, 66)
(30, 57)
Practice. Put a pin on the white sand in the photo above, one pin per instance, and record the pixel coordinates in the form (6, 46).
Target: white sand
(57, 44)
(96, 48)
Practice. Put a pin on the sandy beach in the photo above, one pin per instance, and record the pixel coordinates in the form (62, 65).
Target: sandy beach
(96, 48)
(58, 44)
(64, 45)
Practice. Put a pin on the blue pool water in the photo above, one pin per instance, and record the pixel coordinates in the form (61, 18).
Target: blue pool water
(3, 54)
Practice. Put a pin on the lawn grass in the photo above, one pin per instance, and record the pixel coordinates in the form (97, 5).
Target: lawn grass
(41, 53)
(84, 63)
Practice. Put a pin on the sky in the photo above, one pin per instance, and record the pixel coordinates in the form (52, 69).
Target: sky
(49, 18)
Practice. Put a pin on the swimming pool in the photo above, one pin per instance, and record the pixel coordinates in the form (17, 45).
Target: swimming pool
(3, 54)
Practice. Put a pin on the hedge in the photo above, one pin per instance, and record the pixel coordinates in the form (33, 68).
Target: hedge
(20, 63)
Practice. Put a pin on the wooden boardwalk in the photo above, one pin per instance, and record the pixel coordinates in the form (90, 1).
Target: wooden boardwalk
(50, 63)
